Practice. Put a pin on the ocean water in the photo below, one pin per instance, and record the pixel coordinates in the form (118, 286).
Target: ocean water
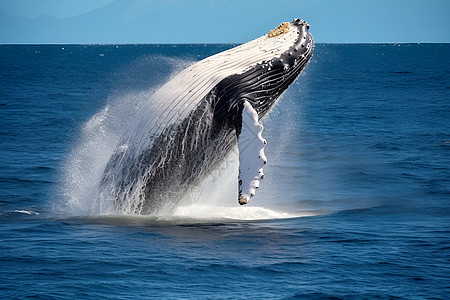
(354, 205)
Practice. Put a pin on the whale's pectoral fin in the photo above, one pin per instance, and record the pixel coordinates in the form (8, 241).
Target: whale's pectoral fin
(251, 154)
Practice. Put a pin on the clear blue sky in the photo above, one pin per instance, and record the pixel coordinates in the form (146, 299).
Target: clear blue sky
(220, 21)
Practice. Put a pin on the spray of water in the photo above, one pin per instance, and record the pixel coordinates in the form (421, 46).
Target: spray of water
(99, 138)
(87, 161)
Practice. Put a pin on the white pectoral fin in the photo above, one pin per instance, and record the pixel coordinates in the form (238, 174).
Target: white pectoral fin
(251, 154)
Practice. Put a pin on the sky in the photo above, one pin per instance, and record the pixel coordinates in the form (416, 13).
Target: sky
(220, 21)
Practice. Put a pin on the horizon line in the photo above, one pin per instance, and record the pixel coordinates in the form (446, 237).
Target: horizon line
(217, 43)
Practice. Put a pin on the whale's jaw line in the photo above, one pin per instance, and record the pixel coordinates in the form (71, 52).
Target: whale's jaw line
(262, 84)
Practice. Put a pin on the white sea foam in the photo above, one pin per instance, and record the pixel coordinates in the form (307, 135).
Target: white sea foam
(212, 212)
(26, 212)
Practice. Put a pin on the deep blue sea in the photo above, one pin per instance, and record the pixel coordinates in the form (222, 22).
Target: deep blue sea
(355, 203)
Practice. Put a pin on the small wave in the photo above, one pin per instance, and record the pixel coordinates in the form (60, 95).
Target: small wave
(27, 212)
(20, 212)
(43, 168)
(8, 133)
(24, 180)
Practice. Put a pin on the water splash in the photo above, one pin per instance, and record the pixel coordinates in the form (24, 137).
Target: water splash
(101, 135)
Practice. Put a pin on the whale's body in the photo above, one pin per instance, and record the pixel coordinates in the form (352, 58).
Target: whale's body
(205, 110)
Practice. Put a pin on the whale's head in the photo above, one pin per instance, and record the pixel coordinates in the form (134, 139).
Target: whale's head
(270, 64)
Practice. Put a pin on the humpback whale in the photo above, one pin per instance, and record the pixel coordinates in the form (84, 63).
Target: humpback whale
(202, 113)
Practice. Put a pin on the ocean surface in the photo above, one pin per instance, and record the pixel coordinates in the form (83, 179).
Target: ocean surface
(355, 203)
